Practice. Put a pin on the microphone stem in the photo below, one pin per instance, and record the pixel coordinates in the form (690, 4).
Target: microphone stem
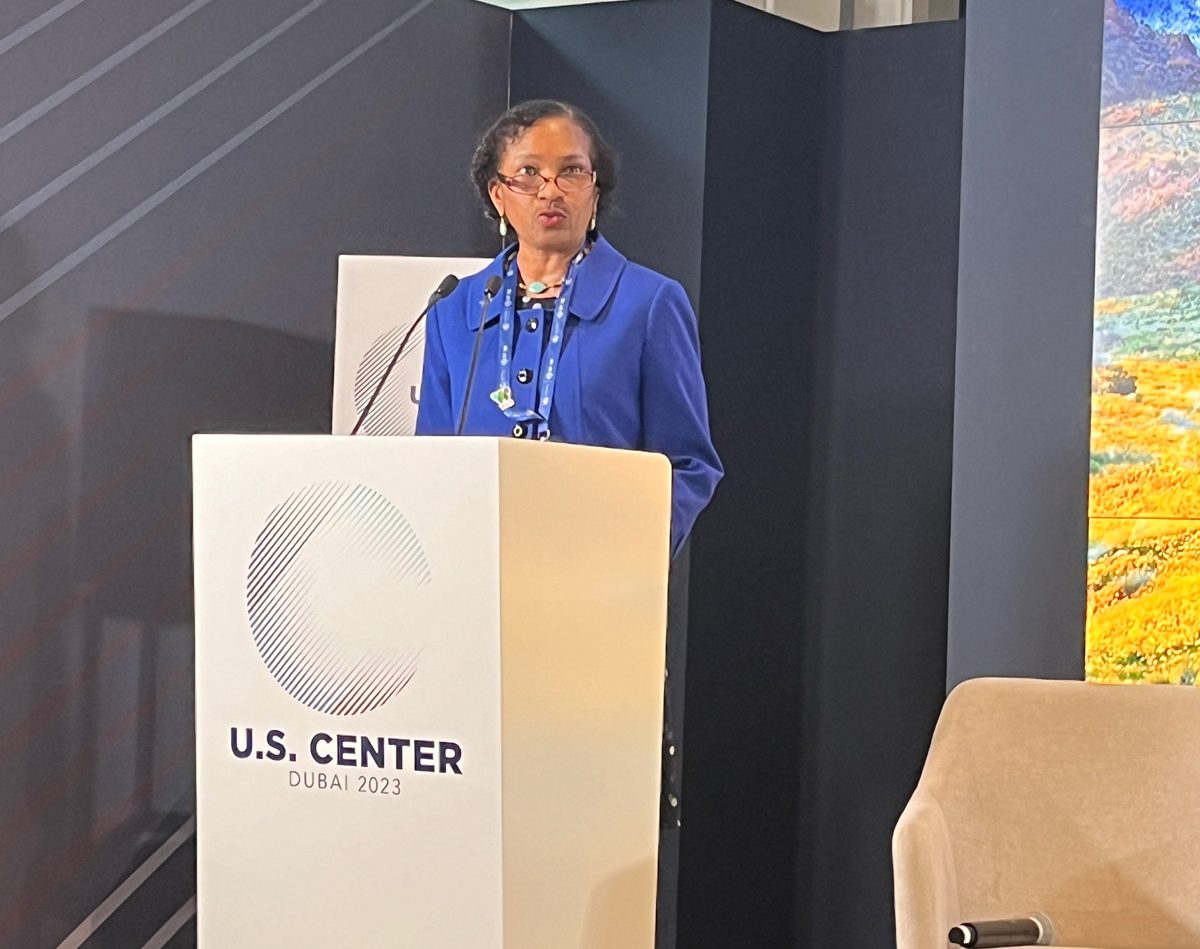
(388, 371)
(483, 307)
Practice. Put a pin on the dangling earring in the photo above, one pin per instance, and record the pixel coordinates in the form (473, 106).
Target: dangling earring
(503, 226)
(592, 226)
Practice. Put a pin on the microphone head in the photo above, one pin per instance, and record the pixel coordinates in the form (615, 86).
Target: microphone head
(493, 286)
(444, 289)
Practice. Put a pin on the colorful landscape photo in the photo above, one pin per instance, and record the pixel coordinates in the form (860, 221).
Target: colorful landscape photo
(1144, 497)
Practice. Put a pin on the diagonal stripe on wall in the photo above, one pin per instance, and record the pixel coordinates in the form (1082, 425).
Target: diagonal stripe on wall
(32, 114)
(81, 168)
(32, 27)
(126, 221)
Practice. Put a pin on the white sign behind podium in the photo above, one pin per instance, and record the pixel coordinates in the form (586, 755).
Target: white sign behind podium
(377, 300)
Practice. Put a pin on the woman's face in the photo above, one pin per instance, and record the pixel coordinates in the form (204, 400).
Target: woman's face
(552, 220)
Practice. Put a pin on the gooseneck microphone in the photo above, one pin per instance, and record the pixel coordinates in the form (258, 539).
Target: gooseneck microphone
(1032, 930)
(444, 289)
(489, 292)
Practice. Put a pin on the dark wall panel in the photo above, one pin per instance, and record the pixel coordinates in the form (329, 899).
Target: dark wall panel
(879, 494)
(169, 226)
(1026, 264)
(747, 637)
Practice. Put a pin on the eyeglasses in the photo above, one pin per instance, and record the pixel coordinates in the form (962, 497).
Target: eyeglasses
(568, 181)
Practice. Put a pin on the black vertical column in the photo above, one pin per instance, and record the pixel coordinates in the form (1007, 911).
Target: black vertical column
(747, 636)
(880, 460)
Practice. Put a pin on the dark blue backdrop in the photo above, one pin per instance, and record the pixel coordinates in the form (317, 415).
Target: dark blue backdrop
(803, 187)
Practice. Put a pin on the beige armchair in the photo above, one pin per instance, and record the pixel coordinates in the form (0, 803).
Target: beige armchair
(1075, 800)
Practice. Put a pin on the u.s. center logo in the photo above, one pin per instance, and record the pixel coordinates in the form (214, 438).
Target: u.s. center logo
(324, 594)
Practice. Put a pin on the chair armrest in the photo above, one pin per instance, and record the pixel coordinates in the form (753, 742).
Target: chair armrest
(926, 887)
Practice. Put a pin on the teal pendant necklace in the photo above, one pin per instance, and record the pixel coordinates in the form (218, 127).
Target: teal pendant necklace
(537, 287)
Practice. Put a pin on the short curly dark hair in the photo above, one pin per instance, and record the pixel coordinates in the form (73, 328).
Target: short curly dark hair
(512, 124)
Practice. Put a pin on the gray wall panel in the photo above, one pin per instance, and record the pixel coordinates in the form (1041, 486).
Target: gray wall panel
(1019, 532)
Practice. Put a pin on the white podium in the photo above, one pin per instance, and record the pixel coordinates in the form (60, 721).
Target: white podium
(429, 678)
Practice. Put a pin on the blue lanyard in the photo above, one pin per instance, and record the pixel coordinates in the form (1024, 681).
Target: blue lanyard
(503, 396)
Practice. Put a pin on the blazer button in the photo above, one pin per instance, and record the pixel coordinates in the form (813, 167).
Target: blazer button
(524, 376)
(518, 431)
(532, 325)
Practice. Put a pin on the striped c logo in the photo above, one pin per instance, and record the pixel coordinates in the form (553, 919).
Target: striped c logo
(328, 574)
(394, 412)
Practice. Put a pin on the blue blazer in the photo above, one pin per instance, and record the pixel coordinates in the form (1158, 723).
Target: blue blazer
(629, 375)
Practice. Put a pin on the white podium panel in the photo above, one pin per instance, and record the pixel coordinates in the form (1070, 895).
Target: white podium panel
(377, 300)
(427, 715)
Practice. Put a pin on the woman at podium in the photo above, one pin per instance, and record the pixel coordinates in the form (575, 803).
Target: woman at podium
(561, 336)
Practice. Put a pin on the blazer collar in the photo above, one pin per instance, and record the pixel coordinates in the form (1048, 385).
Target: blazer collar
(597, 279)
